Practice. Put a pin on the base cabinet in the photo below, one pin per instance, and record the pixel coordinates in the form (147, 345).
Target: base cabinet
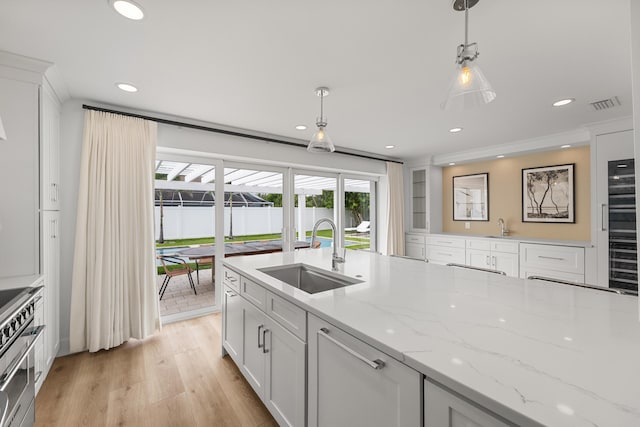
(232, 324)
(285, 362)
(442, 408)
(271, 358)
(352, 384)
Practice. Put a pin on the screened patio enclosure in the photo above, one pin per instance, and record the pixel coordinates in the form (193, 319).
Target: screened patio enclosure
(255, 197)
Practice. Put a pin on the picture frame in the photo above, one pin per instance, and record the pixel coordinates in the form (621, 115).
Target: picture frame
(548, 194)
(471, 197)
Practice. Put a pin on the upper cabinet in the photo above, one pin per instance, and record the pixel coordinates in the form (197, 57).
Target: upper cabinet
(419, 196)
(423, 199)
(49, 149)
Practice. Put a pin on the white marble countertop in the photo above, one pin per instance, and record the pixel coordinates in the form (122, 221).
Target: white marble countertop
(523, 239)
(536, 353)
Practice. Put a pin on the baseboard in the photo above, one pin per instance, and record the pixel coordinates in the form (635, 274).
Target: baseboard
(186, 315)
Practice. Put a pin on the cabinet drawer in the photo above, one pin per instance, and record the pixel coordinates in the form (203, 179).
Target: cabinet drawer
(444, 241)
(288, 315)
(254, 293)
(526, 272)
(483, 245)
(231, 279)
(415, 238)
(442, 408)
(444, 255)
(548, 257)
(504, 246)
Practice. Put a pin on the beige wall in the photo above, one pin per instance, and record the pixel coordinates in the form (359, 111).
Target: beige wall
(505, 196)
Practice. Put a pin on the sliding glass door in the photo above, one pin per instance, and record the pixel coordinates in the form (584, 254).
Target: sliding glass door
(359, 213)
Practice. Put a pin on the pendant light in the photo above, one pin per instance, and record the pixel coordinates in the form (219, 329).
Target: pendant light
(320, 141)
(3, 135)
(469, 87)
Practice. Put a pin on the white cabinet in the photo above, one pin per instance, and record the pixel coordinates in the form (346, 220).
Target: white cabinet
(415, 246)
(268, 352)
(442, 408)
(285, 370)
(493, 255)
(49, 149)
(552, 261)
(445, 250)
(232, 324)
(353, 384)
(51, 270)
(419, 198)
(252, 355)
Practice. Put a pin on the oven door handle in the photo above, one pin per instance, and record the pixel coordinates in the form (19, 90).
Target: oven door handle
(11, 371)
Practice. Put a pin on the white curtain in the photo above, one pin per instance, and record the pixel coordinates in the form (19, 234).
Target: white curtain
(113, 294)
(395, 202)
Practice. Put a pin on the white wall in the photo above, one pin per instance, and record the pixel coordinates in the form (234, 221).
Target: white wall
(205, 143)
(189, 222)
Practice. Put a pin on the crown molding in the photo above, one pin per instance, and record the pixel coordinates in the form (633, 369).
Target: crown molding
(581, 136)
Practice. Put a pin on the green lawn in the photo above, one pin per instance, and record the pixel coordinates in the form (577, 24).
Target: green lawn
(175, 243)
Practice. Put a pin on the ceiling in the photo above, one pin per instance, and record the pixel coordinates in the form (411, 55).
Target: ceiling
(388, 63)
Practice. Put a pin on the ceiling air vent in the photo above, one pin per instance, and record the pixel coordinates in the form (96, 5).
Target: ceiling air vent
(605, 104)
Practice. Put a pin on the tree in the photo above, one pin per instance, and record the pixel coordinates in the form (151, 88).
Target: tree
(276, 199)
(358, 204)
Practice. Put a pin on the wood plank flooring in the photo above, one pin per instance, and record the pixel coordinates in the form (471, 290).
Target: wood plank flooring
(175, 378)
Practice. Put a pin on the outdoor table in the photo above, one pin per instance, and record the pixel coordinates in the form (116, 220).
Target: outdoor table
(234, 249)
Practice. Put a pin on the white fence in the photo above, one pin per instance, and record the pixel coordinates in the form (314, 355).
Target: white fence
(188, 222)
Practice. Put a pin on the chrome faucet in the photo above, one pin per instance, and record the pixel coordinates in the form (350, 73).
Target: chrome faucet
(335, 259)
(503, 226)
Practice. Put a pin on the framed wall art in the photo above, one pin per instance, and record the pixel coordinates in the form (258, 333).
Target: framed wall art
(548, 194)
(471, 197)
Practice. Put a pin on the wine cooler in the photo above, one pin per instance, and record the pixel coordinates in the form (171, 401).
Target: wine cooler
(623, 248)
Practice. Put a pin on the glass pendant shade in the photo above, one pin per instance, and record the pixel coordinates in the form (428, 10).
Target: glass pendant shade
(3, 135)
(320, 142)
(469, 88)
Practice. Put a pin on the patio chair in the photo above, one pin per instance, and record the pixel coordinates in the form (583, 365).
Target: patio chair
(169, 273)
(363, 227)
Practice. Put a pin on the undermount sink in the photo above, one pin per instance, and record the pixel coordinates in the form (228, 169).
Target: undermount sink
(309, 279)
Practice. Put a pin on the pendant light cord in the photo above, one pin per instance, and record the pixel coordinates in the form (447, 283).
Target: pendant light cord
(321, 105)
(466, 23)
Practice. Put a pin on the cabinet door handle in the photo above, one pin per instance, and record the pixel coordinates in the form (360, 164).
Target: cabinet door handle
(603, 208)
(264, 341)
(487, 261)
(493, 261)
(375, 364)
(259, 328)
(550, 257)
(230, 294)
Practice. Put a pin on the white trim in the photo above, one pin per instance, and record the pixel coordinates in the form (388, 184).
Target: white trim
(575, 138)
(191, 314)
(611, 126)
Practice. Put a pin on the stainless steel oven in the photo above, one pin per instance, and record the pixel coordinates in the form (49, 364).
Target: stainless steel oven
(18, 337)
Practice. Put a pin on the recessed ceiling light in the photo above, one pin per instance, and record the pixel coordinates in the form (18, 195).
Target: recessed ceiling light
(127, 87)
(565, 146)
(568, 339)
(128, 9)
(562, 102)
(389, 146)
(452, 164)
(500, 156)
(301, 127)
(455, 130)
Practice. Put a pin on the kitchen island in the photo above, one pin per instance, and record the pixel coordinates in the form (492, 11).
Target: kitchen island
(529, 353)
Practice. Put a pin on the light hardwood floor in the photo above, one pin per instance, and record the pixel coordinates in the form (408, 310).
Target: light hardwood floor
(175, 378)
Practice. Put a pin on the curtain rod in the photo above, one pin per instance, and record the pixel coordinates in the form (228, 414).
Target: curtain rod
(224, 131)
